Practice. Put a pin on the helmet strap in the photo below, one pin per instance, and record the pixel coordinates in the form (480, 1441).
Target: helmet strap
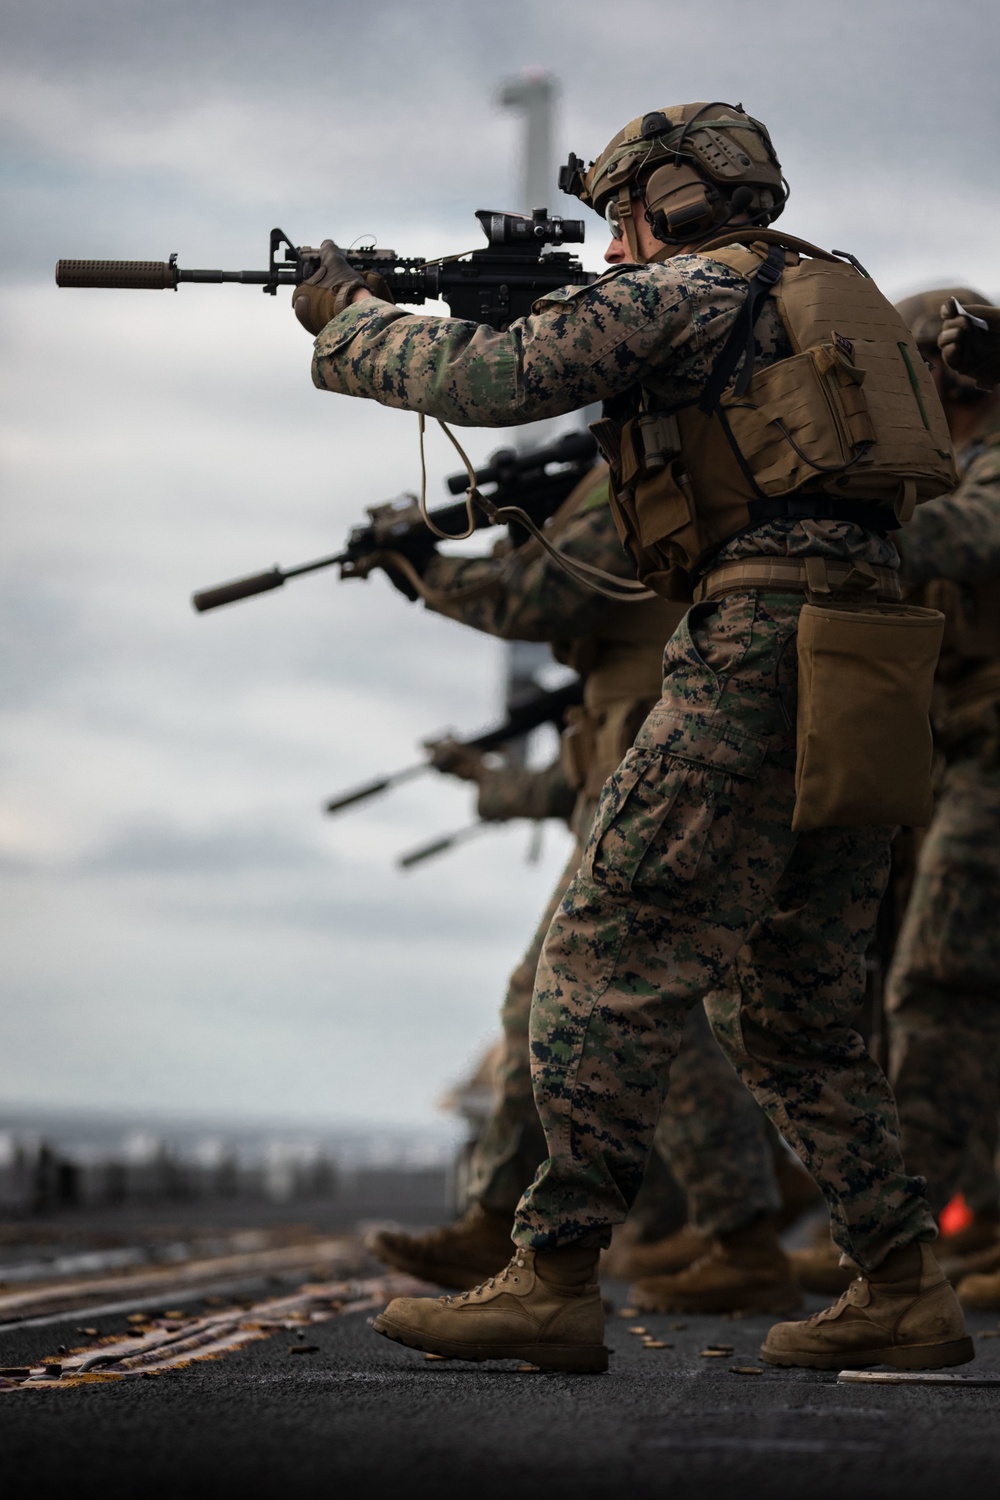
(627, 221)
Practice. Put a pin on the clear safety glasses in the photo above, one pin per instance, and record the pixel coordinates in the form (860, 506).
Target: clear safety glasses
(613, 217)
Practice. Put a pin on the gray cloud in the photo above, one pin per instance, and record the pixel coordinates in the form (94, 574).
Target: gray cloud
(159, 849)
(179, 923)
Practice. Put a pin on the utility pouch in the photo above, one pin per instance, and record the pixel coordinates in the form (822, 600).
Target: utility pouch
(652, 501)
(863, 754)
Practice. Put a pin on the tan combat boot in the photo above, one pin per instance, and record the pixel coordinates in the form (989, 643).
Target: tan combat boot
(743, 1270)
(674, 1252)
(819, 1270)
(461, 1254)
(982, 1291)
(904, 1313)
(544, 1307)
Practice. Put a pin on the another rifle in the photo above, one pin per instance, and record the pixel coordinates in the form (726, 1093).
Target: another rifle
(493, 286)
(546, 708)
(536, 482)
(441, 845)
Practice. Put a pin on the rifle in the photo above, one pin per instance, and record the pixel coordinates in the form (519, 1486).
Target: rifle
(544, 708)
(493, 286)
(441, 845)
(510, 478)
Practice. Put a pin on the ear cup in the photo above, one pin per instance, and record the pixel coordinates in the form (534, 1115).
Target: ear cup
(679, 202)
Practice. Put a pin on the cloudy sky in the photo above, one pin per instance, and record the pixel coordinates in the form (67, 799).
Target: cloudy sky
(181, 928)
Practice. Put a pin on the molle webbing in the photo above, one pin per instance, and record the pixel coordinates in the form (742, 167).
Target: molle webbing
(847, 428)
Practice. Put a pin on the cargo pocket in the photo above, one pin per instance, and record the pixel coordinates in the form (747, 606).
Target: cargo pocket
(663, 825)
(631, 812)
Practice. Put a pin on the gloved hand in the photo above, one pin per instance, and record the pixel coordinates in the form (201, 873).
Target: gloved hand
(418, 549)
(456, 759)
(331, 289)
(970, 350)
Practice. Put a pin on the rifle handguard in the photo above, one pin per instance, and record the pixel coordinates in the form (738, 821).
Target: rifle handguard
(156, 275)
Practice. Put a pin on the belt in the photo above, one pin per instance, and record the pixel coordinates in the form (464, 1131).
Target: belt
(813, 575)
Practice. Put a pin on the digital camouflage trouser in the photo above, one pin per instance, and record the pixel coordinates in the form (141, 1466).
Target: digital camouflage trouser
(693, 884)
(711, 1133)
(944, 993)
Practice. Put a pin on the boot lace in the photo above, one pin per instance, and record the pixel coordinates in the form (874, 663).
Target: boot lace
(507, 1274)
(827, 1313)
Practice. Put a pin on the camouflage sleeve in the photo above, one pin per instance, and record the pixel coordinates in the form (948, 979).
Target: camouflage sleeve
(957, 536)
(659, 324)
(526, 596)
(506, 794)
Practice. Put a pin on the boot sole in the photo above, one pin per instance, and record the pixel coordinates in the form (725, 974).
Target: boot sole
(776, 1300)
(574, 1359)
(899, 1356)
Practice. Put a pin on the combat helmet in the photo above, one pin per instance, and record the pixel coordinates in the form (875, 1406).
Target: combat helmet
(922, 315)
(696, 165)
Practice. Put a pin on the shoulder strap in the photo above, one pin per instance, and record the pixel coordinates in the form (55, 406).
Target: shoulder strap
(739, 346)
(748, 234)
(743, 259)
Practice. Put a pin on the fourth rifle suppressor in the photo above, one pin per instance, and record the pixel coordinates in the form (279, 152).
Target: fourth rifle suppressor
(510, 478)
(493, 286)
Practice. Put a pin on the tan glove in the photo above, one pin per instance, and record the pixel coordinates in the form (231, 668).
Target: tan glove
(968, 348)
(456, 759)
(332, 289)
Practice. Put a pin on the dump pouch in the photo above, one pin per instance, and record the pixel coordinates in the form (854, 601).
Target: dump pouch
(863, 755)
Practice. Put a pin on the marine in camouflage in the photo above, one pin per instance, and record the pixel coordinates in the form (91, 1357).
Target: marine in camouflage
(957, 536)
(521, 592)
(661, 325)
(692, 869)
(944, 985)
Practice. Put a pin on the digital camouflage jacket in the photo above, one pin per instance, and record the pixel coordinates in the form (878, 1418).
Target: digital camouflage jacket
(661, 326)
(526, 595)
(957, 536)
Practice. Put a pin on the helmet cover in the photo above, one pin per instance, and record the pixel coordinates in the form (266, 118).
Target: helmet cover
(696, 166)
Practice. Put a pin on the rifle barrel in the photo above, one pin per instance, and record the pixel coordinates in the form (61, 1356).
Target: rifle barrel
(440, 846)
(372, 788)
